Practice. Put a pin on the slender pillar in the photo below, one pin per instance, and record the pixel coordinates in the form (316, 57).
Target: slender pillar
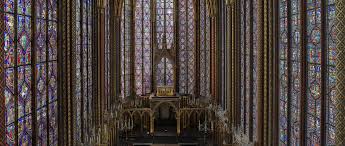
(260, 72)
(178, 130)
(101, 60)
(340, 73)
(228, 60)
(132, 50)
(61, 68)
(197, 47)
(275, 39)
(116, 59)
(70, 69)
(212, 10)
(152, 123)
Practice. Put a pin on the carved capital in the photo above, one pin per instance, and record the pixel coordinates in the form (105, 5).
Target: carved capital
(229, 2)
(118, 7)
(101, 3)
(211, 7)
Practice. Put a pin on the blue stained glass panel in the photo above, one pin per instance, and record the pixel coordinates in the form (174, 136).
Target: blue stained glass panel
(9, 6)
(10, 135)
(24, 7)
(24, 91)
(24, 40)
(25, 131)
(9, 94)
(41, 40)
(295, 71)
(9, 40)
(53, 127)
(52, 85)
(331, 90)
(41, 85)
(52, 36)
(314, 72)
(41, 9)
(42, 126)
(283, 73)
(52, 7)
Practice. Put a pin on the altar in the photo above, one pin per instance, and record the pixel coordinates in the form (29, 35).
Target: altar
(163, 112)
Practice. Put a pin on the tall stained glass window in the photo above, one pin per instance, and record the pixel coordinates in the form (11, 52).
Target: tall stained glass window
(314, 72)
(290, 52)
(139, 37)
(243, 64)
(204, 50)
(165, 24)
(126, 45)
(247, 63)
(83, 81)
(331, 45)
(187, 46)
(143, 48)
(26, 57)
(283, 73)
(295, 72)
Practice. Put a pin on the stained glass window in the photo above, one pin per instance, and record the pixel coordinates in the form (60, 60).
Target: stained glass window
(247, 62)
(331, 43)
(204, 50)
(143, 49)
(283, 73)
(314, 55)
(126, 45)
(164, 36)
(242, 62)
(314, 72)
(186, 47)
(295, 72)
(83, 65)
(165, 23)
(165, 73)
(19, 65)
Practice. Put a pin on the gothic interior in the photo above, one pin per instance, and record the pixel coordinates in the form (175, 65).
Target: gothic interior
(178, 72)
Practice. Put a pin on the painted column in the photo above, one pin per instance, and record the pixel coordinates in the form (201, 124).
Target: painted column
(340, 73)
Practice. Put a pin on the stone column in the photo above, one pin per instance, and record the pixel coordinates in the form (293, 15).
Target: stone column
(340, 73)
(260, 72)
(101, 61)
(178, 130)
(117, 50)
(152, 124)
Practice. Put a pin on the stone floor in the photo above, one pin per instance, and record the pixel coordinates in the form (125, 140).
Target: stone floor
(165, 145)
